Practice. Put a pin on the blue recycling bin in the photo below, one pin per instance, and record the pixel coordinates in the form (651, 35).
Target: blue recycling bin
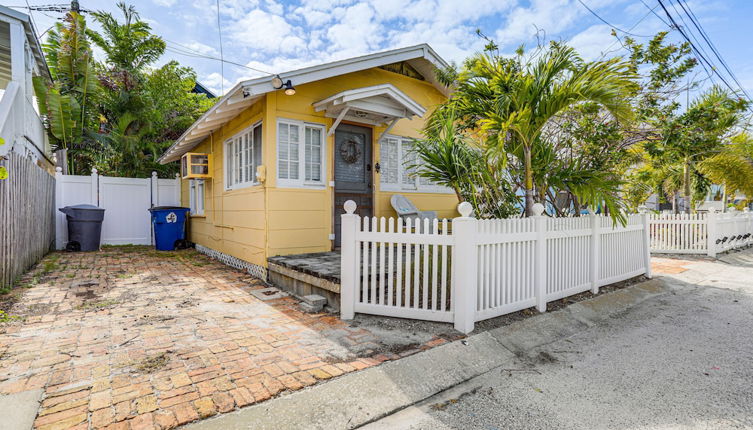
(169, 224)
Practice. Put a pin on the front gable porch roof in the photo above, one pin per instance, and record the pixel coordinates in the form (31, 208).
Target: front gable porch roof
(377, 105)
(421, 57)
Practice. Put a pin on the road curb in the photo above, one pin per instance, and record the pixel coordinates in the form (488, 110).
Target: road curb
(362, 397)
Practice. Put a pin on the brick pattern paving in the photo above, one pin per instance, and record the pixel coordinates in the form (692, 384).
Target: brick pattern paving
(669, 266)
(130, 338)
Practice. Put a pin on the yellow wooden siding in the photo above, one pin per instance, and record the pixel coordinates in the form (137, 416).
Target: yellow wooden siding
(262, 221)
(234, 221)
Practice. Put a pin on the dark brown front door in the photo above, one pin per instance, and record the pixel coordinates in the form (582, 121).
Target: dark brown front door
(353, 172)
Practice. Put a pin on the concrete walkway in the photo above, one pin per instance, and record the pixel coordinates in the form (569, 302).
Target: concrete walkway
(674, 352)
(682, 360)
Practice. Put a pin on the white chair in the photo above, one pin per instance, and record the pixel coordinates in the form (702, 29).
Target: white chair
(407, 210)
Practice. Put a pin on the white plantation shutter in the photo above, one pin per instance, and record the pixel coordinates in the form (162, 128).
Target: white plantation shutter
(396, 159)
(300, 158)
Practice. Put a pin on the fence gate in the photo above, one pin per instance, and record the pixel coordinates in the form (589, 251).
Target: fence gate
(126, 202)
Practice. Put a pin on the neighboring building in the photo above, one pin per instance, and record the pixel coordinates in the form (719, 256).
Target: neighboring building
(27, 187)
(201, 89)
(21, 58)
(287, 151)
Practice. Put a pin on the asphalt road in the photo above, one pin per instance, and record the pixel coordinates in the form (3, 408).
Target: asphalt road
(683, 360)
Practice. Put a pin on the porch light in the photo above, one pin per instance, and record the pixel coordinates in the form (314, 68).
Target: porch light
(278, 84)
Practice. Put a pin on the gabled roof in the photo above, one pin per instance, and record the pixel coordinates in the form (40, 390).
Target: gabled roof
(421, 57)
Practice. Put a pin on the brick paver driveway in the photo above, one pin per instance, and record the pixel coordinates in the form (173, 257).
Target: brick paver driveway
(133, 338)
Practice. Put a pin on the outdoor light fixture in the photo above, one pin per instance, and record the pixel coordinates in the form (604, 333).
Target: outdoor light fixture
(278, 84)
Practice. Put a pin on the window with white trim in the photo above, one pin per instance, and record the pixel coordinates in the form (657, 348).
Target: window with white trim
(397, 173)
(300, 154)
(196, 196)
(242, 157)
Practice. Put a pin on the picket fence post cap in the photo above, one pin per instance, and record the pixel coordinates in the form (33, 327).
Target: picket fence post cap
(538, 209)
(350, 207)
(642, 209)
(94, 170)
(59, 169)
(154, 173)
(465, 209)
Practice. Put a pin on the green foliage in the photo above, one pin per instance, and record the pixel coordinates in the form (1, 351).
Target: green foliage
(69, 103)
(447, 157)
(732, 166)
(508, 103)
(120, 115)
(129, 46)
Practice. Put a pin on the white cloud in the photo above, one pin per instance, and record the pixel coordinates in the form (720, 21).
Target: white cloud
(551, 16)
(593, 41)
(214, 81)
(201, 48)
(357, 32)
(166, 3)
(262, 31)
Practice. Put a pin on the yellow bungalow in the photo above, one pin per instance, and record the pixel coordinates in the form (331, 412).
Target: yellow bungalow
(267, 169)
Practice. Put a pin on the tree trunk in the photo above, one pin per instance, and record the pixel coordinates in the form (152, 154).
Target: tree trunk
(528, 185)
(686, 185)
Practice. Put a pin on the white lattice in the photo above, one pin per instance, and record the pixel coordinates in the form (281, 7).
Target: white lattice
(253, 269)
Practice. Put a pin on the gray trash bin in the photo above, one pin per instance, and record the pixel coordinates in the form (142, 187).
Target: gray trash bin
(84, 227)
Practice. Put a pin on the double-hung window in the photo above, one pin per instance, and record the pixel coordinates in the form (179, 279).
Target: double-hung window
(300, 154)
(196, 196)
(242, 157)
(397, 161)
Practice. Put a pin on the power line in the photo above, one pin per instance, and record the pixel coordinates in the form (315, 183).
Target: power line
(686, 7)
(222, 62)
(652, 10)
(698, 53)
(190, 52)
(606, 51)
(607, 23)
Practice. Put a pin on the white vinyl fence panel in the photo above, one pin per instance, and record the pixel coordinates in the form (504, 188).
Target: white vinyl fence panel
(704, 233)
(468, 270)
(126, 202)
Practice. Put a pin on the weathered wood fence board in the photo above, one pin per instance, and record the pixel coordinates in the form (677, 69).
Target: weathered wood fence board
(27, 224)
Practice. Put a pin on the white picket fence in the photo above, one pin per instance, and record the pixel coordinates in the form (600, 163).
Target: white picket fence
(703, 233)
(466, 270)
(126, 202)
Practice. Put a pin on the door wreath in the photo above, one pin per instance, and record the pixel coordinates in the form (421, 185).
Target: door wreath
(350, 151)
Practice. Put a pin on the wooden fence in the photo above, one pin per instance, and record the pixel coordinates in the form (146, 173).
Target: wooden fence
(703, 233)
(481, 269)
(27, 224)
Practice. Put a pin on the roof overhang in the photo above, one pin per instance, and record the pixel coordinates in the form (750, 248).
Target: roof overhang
(420, 57)
(31, 37)
(379, 104)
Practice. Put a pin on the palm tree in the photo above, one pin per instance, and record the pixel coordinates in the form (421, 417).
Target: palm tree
(129, 46)
(732, 166)
(68, 103)
(526, 98)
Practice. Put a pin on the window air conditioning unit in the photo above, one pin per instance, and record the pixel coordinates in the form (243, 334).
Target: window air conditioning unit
(195, 165)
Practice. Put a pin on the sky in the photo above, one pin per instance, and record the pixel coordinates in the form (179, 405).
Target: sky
(276, 36)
